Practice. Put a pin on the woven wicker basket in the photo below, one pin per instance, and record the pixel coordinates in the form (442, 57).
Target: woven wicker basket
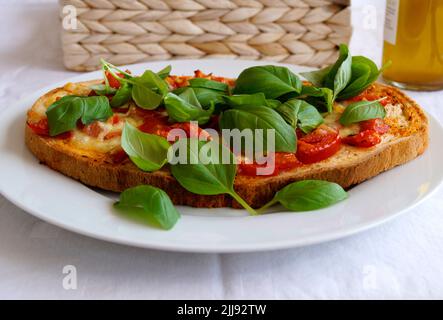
(304, 32)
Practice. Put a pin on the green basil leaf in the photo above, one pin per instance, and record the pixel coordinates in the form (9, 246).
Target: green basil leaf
(272, 103)
(308, 195)
(153, 81)
(317, 77)
(205, 96)
(122, 96)
(360, 77)
(344, 72)
(64, 113)
(97, 108)
(309, 117)
(299, 113)
(164, 73)
(144, 97)
(208, 84)
(147, 151)
(207, 179)
(289, 111)
(148, 90)
(321, 98)
(210, 169)
(361, 111)
(273, 81)
(261, 118)
(103, 89)
(252, 100)
(364, 73)
(189, 96)
(335, 77)
(340, 73)
(148, 202)
(186, 107)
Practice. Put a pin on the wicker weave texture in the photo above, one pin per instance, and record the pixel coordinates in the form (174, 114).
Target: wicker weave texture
(303, 32)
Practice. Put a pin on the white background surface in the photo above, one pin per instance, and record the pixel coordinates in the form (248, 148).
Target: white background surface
(402, 259)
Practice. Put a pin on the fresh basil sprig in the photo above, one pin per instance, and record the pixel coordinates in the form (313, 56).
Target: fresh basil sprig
(186, 107)
(299, 113)
(273, 81)
(335, 77)
(261, 118)
(307, 195)
(147, 151)
(64, 113)
(348, 77)
(149, 203)
(212, 175)
(361, 111)
(147, 91)
(364, 73)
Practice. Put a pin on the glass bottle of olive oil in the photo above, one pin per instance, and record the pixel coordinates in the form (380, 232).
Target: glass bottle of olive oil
(414, 44)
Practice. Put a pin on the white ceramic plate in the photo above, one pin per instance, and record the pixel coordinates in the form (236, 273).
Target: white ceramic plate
(66, 203)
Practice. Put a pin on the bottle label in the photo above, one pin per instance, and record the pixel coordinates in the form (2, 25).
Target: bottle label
(391, 21)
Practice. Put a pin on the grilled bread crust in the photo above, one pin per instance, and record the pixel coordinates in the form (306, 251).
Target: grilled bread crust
(349, 167)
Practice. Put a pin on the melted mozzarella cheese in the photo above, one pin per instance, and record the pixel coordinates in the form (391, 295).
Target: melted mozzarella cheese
(83, 141)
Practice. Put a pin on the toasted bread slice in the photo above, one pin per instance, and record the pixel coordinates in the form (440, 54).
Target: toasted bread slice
(350, 166)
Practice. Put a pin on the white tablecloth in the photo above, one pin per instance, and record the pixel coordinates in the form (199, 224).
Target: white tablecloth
(402, 259)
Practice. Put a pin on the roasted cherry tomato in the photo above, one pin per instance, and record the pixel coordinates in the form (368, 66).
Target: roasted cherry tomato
(364, 139)
(41, 127)
(113, 82)
(378, 125)
(319, 145)
(283, 162)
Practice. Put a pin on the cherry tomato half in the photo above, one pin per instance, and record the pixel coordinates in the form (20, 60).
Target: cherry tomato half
(318, 145)
(364, 139)
(378, 125)
(282, 162)
(113, 82)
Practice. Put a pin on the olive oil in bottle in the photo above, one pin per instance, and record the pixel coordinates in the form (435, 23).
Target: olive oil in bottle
(414, 44)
